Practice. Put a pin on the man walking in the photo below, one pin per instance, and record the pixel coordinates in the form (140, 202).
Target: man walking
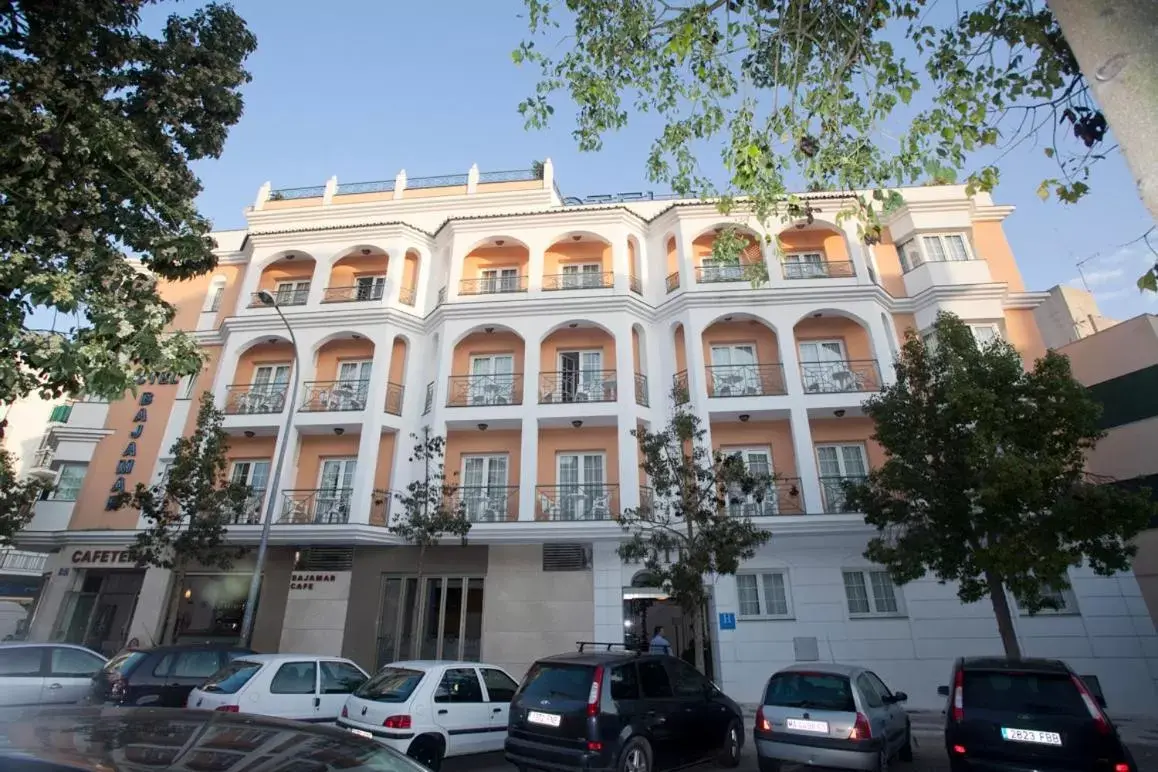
(659, 644)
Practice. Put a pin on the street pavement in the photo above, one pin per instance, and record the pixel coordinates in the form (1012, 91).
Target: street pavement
(928, 753)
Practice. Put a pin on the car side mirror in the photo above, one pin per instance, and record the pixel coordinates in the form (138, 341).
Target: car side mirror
(943, 691)
(900, 697)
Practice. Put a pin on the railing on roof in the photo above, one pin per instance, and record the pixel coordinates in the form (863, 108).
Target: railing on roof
(377, 186)
(514, 175)
(442, 181)
(619, 198)
(286, 194)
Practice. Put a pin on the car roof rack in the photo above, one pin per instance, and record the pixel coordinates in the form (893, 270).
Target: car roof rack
(607, 646)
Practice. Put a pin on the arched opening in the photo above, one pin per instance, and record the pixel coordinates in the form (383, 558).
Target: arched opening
(836, 353)
(408, 292)
(396, 384)
(578, 261)
(639, 361)
(635, 283)
(742, 353)
(487, 368)
(577, 364)
(496, 265)
(341, 379)
(711, 270)
(672, 280)
(261, 377)
(814, 250)
(287, 279)
(681, 388)
(215, 294)
(890, 333)
(358, 276)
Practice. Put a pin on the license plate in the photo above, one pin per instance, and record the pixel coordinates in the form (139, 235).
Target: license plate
(1031, 736)
(803, 725)
(361, 732)
(546, 719)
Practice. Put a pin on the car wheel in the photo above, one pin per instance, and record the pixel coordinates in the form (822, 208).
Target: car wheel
(636, 756)
(906, 751)
(427, 751)
(730, 753)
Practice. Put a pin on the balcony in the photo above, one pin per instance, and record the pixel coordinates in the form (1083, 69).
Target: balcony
(394, 394)
(836, 269)
(672, 282)
(18, 560)
(247, 399)
(487, 503)
(641, 390)
(494, 285)
(746, 380)
(832, 491)
(334, 396)
(946, 273)
(634, 284)
(315, 507)
(840, 377)
(680, 387)
(355, 294)
(254, 510)
(720, 274)
(576, 502)
(475, 390)
(577, 386)
(578, 281)
(285, 297)
(782, 497)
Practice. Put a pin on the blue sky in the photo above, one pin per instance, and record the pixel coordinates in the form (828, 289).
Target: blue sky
(367, 88)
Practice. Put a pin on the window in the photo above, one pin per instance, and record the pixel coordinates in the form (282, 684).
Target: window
(876, 681)
(624, 682)
(581, 276)
(868, 690)
(484, 491)
(369, 287)
(391, 684)
(569, 682)
(763, 595)
(341, 678)
(188, 384)
(295, 678)
(824, 367)
(581, 378)
(195, 664)
(984, 334)
(215, 295)
(1065, 600)
(292, 293)
(229, 679)
(580, 491)
(444, 616)
(838, 463)
(809, 265)
(820, 691)
(870, 592)
(499, 280)
(735, 370)
(492, 380)
(20, 661)
(500, 686)
(69, 481)
(73, 663)
(688, 681)
(1007, 692)
(653, 680)
(936, 248)
(459, 684)
(762, 500)
(909, 254)
(718, 270)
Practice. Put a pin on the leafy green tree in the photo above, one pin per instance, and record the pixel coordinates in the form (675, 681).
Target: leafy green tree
(186, 515)
(430, 507)
(864, 95)
(17, 496)
(99, 124)
(686, 532)
(984, 483)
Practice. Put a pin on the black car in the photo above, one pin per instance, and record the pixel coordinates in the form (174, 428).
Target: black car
(622, 711)
(1031, 715)
(160, 677)
(134, 739)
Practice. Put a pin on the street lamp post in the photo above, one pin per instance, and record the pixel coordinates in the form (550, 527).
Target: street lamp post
(271, 502)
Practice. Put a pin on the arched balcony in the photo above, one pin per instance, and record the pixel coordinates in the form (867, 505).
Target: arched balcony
(836, 353)
(287, 279)
(681, 389)
(815, 250)
(634, 280)
(765, 446)
(483, 470)
(672, 265)
(487, 368)
(396, 385)
(495, 266)
(578, 261)
(639, 362)
(742, 356)
(408, 292)
(712, 270)
(341, 376)
(577, 365)
(261, 378)
(359, 276)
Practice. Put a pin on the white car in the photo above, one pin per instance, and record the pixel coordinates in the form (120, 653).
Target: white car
(433, 709)
(302, 687)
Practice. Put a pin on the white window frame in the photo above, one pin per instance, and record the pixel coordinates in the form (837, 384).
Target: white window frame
(762, 596)
(294, 288)
(771, 503)
(215, 296)
(1069, 605)
(580, 275)
(796, 267)
(919, 250)
(55, 496)
(840, 462)
(866, 573)
(992, 326)
(744, 378)
(713, 269)
(376, 280)
(498, 278)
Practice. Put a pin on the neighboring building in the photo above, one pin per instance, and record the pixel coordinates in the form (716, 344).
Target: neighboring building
(536, 332)
(1069, 314)
(1120, 366)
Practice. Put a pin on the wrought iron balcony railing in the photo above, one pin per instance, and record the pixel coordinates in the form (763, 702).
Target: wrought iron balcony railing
(493, 285)
(578, 281)
(837, 269)
(746, 380)
(681, 390)
(673, 282)
(840, 376)
(248, 399)
(394, 394)
(635, 285)
(832, 490)
(581, 501)
(428, 403)
(315, 507)
(355, 294)
(254, 510)
(578, 386)
(781, 497)
(487, 503)
(407, 296)
(716, 274)
(641, 389)
(471, 390)
(284, 297)
(334, 396)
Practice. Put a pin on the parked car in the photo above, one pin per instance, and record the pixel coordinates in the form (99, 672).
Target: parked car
(433, 709)
(831, 715)
(160, 677)
(95, 739)
(297, 686)
(45, 673)
(623, 711)
(1028, 714)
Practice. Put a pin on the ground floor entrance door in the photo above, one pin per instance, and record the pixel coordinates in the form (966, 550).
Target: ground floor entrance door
(99, 613)
(441, 618)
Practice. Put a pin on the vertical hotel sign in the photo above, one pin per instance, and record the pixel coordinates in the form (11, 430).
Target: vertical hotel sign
(128, 459)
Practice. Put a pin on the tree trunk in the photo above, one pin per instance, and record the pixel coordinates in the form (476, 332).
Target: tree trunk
(1114, 42)
(419, 598)
(698, 638)
(1004, 618)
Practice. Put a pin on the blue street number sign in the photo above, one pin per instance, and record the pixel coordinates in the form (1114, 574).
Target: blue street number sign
(727, 620)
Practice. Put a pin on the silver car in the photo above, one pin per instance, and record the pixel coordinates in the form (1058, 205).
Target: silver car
(831, 715)
(45, 673)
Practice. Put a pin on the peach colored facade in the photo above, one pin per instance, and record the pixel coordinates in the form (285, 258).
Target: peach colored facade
(534, 333)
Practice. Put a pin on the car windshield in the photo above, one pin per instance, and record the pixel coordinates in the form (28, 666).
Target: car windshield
(819, 691)
(569, 682)
(390, 684)
(232, 677)
(124, 662)
(1053, 694)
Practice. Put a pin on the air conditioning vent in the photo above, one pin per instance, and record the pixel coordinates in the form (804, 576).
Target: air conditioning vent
(325, 559)
(566, 557)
